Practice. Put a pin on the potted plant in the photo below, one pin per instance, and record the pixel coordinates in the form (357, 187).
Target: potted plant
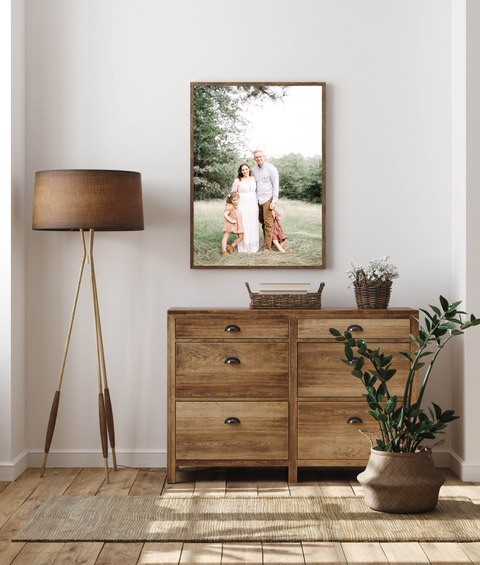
(400, 475)
(373, 284)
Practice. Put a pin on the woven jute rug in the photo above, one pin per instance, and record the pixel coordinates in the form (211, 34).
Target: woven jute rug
(210, 519)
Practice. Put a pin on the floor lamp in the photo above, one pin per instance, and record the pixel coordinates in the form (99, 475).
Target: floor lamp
(88, 201)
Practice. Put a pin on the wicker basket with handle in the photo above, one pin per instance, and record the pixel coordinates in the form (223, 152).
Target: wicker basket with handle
(309, 300)
(371, 294)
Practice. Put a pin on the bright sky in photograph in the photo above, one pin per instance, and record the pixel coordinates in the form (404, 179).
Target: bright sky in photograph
(290, 125)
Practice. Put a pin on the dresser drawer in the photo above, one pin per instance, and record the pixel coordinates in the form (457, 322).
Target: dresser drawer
(377, 328)
(262, 431)
(231, 327)
(228, 370)
(321, 372)
(325, 434)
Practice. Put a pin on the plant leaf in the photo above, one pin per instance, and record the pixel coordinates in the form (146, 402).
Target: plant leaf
(417, 340)
(360, 363)
(390, 373)
(390, 406)
(424, 354)
(436, 310)
(444, 303)
(427, 313)
(407, 355)
(438, 410)
(348, 352)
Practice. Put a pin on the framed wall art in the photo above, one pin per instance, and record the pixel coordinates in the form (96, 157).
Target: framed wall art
(257, 175)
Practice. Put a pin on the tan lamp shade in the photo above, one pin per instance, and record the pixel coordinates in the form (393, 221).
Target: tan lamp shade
(88, 199)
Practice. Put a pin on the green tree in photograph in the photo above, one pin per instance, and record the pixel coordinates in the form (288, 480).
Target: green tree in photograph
(300, 177)
(218, 128)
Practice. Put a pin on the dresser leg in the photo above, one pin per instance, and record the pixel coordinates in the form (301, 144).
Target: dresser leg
(293, 474)
(171, 474)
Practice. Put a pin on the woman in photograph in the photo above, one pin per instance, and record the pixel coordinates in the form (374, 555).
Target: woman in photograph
(246, 186)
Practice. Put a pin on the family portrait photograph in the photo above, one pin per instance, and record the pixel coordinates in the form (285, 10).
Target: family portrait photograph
(257, 175)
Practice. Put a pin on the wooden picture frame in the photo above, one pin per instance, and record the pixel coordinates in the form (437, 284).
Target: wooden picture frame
(285, 121)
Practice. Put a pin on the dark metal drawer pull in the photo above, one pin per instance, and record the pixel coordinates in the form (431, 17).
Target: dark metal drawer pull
(354, 328)
(354, 420)
(232, 361)
(232, 328)
(232, 420)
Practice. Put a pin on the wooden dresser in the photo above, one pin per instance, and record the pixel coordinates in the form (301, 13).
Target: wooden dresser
(267, 387)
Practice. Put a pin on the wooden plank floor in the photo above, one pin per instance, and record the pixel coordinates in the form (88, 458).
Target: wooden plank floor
(22, 497)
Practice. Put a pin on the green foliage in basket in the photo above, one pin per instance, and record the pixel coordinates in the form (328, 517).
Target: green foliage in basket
(403, 423)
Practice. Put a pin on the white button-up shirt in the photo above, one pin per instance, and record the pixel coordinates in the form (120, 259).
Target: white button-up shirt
(267, 182)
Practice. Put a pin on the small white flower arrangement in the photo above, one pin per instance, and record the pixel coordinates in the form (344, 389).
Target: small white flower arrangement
(378, 269)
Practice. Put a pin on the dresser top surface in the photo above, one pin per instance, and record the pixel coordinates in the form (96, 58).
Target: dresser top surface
(307, 313)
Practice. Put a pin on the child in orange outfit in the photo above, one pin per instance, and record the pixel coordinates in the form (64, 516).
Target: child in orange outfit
(233, 223)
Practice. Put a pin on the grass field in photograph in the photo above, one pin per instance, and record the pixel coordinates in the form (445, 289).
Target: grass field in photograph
(301, 222)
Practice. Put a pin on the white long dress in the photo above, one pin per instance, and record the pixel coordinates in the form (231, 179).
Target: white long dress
(248, 207)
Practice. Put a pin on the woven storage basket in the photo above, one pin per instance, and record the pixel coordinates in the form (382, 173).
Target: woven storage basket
(309, 300)
(371, 294)
(401, 482)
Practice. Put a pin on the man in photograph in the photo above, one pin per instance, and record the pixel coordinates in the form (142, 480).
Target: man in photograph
(266, 176)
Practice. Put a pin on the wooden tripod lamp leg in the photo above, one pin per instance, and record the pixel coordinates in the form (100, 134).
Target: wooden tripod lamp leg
(50, 429)
(101, 401)
(106, 392)
(56, 399)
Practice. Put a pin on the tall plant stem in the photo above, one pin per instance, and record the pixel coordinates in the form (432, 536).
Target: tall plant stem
(413, 368)
(427, 374)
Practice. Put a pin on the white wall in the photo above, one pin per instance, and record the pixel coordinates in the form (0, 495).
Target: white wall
(108, 87)
(12, 245)
(466, 228)
(472, 446)
(20, 218)
(5, 240)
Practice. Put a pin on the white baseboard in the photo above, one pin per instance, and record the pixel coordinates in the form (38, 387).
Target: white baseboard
(155, 459)
(10, 471)
(468, 472)
(147, 459)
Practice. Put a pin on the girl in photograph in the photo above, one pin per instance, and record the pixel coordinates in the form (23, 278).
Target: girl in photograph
(233, 223)
(278, 236)
(246, 186)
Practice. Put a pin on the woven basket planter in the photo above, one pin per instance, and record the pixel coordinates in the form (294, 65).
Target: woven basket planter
(401, 483)
(371, 294)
